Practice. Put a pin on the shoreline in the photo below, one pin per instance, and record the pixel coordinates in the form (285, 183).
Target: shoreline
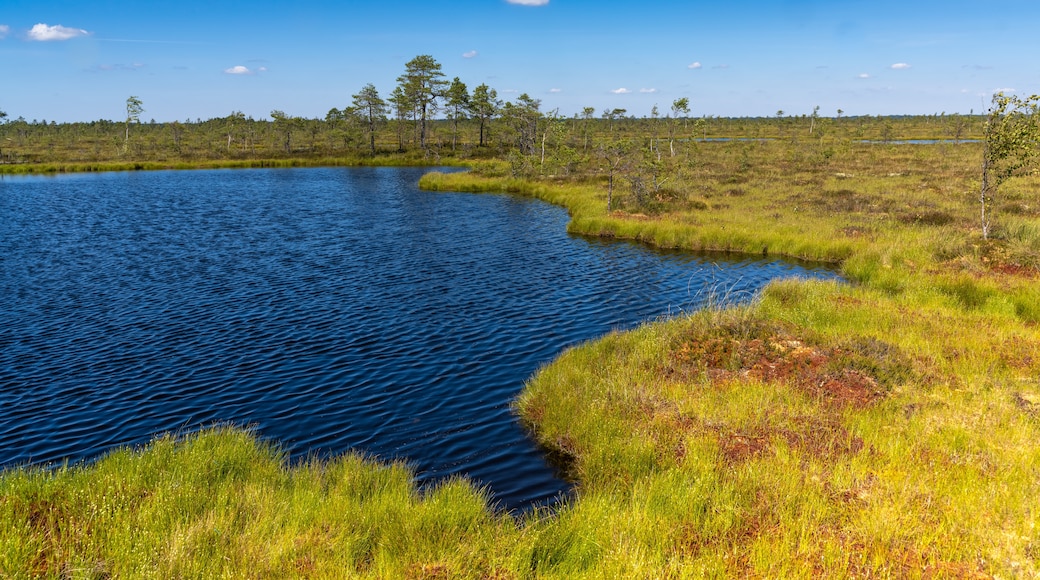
(886, 426)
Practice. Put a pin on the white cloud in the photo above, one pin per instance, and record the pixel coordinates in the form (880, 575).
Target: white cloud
(995, 91)
(862, 76)
(469, 54)
(621, 91)
(4, 29)
(648, 91)
(529, 2)
(555, 90)
(695, 65)
(238, 70)
(44, 33)
(900, 66)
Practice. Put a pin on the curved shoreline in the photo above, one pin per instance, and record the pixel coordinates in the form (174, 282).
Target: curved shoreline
(885, 427)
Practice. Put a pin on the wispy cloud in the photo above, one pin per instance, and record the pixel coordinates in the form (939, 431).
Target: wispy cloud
(4, 30)
(118, 67)
(44, 33)
(529, 2)
(648, 91)
(721, 66)
(555, 90)
(900, 66)
(243, 70)
(862, 76)
(469, 54)
(143, 41)
(621, 91)
(695, 65)
(1004, 90)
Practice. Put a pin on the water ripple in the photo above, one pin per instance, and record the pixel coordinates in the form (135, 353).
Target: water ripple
(332, 309)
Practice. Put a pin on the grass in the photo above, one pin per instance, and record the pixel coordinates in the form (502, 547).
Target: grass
(220, 503)
(89, 167)
(885, 427)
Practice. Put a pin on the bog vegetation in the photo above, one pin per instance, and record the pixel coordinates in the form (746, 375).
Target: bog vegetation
(883, 427)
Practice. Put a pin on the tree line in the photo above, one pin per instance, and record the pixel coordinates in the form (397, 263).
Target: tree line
(429, 115)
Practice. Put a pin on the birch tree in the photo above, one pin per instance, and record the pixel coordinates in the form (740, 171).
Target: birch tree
(1009, 147)
(134, 108)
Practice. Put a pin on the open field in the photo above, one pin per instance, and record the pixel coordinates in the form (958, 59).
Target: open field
(884, 427)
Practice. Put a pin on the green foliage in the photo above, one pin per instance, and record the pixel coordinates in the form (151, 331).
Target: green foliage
(1010, 139)
(421, 85)
(884, 427)
(373, 110)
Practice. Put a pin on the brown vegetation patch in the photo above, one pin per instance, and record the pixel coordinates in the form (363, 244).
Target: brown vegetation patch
(835, 375)
(429, 571)
(814, 437)
(846, 201)
(1029, 404)
(691, 540)
(927, 218)
(1015, 270)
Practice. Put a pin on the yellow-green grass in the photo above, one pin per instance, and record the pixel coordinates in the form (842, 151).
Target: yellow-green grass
(221, 504)
(885, 427)
(826, 431)
(385, 160)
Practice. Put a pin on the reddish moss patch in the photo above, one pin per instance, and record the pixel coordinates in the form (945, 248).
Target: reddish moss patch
(854, 373)
(830, 374)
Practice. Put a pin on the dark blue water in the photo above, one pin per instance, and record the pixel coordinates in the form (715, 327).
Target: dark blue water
(330, 308)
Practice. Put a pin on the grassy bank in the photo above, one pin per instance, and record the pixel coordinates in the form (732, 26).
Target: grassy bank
(886, 427)
(384, 160)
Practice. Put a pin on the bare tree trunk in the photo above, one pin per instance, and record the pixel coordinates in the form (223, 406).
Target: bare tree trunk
(982, 193)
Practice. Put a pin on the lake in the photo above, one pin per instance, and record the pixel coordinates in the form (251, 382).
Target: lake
(328, 308)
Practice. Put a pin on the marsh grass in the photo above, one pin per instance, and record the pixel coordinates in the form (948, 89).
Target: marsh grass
(383, 160)
(220, 503)
(883, 427)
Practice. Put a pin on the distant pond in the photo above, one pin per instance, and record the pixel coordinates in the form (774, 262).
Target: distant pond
(330, 309)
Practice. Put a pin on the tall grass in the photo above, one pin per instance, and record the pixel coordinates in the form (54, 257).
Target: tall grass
(220, 503)
(882, 427)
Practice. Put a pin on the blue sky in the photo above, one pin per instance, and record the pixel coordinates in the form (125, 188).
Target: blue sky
(80, 60)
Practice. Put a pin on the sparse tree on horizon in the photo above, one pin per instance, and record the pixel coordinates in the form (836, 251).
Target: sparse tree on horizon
(423, 83)
(587, 114)
(484, 105)
(457, 97)
(284, 124)
(679, 106)
(402, 108)
(372, 109)
(236, 117)
(3, 120)
(134, 108)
